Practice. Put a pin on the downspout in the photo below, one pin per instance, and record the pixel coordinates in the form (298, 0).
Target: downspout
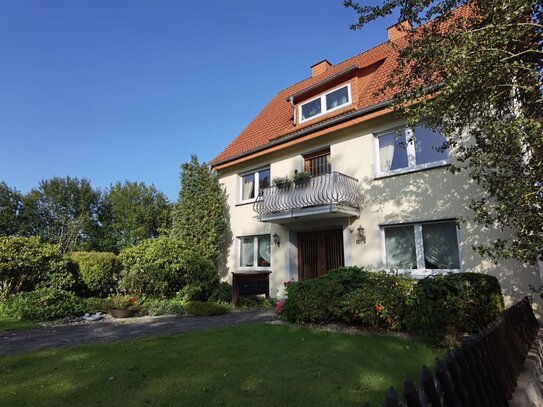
(291, 100)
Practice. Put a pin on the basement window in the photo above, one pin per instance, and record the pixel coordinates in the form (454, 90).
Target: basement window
(326, 103)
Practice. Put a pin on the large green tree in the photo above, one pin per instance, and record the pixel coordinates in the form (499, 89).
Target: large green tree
(131, 212)
(478, 69)
(200, 218)
(10, 208)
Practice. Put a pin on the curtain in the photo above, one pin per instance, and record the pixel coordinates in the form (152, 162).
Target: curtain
(249, 186)
(440, 246)
(264, 251)
(247, 252)
(386, 151)
(400, 247)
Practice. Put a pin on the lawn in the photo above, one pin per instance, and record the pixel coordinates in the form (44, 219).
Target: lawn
(9, 324)
(249, 365)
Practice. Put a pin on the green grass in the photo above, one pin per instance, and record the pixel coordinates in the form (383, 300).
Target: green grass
(10, 324)
(249, 365)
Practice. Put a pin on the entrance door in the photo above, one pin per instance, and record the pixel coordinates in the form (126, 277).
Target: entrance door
(319, 252)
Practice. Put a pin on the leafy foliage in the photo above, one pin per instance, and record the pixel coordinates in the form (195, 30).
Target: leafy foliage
(162, 306)
(98, 271)
(26, 263)
(10, 207)
(42, 305)
(121, 302)
(205, 309)
(201, 217)
(486, 58)
(131, 212)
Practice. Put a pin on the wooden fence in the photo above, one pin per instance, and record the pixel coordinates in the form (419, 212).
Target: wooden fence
(482, 371)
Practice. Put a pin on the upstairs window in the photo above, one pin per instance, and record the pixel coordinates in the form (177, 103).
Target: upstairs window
(424, 247)
(412, 150)
(252, 182)
(318, 163)
(326, 103)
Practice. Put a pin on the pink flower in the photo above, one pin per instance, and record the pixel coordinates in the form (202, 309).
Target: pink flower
(279, 307)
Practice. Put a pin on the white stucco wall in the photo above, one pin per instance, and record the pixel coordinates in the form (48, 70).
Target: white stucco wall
(417, 196)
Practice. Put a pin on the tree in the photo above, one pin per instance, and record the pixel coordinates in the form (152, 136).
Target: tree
(62, 210)
(10, 207)
(476, 67)
(200, 218)
(133, 211)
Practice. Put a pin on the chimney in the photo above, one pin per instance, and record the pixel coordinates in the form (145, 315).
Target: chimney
(398, 30)
(320, 67)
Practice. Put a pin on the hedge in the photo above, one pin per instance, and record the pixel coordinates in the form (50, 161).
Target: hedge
(98, 271)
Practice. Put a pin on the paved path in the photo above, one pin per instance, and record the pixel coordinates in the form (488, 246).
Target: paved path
(114, 329)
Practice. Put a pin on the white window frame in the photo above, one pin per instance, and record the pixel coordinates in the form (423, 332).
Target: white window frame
(255, 253)
(323, 103)
(420, 271)
(411, 154)
(257, 184)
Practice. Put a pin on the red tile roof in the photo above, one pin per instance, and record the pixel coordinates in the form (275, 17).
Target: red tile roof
(275, 121)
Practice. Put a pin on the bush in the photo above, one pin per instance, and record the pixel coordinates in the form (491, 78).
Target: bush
(204, 309)
(26, 263)
(162, 306)
(42, 305)
(93, 304)
(121, 302)
(161, 268)
(445, 304)
(222, 293)
(98, 271)
(255, 301)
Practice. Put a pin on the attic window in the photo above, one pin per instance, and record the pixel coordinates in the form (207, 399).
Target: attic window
(325, 103)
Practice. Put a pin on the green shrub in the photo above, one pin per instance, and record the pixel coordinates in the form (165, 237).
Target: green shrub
(204, 309)
(161, 268)
(93, 304)
(162, 306)
(445, 304)
(42, 305)
(379, 301)
(26, 263)
(98, 271)
(254, 301)
(222, 293)
(121, 302)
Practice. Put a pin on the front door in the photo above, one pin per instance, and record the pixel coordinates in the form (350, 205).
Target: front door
(319, 252)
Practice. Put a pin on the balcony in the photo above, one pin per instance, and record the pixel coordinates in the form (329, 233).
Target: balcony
(324, 196)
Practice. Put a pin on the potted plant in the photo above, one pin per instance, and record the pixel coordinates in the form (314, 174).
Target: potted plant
(281, 182)
(301, 177)
(121, 306)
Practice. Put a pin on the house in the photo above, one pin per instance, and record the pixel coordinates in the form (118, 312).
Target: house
(380, 194)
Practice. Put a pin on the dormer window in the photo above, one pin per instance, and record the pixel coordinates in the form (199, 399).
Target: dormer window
(325, 103)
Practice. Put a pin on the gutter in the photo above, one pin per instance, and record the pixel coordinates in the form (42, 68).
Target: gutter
(307, 130)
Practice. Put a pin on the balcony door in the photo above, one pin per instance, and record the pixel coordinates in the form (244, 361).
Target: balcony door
(319, 252)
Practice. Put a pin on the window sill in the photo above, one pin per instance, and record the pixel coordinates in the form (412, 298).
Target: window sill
(411, 170)
(423, 273)
(246, 203)
(253, 270)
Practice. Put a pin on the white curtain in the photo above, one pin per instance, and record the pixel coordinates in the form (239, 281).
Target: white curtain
(400, 247)
(386, 151)
(440, 245)
(247, 252)
(249, 186)
(264, 251)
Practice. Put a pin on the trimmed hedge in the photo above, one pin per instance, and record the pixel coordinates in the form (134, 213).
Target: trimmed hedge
(26, 263)
(42, 305)
(98, 271)
(205, 309)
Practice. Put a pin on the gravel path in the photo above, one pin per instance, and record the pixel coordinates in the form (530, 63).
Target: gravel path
(110, 330)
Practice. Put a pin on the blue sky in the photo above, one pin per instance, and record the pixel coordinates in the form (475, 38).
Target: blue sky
(128, 89)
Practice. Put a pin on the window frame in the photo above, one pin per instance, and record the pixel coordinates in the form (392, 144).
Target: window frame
(323, 152)
(323, 103)
(256, 173)
(412, 165)
(420, 272)
(255, 267)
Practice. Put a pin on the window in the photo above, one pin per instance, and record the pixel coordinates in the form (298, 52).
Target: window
(251, 183)
(318, 163)
(411, 149)
(422, 246)
(326, 103)
(255, 251)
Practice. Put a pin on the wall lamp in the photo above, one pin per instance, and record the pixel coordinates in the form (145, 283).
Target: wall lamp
(276, 240)
(360, 232)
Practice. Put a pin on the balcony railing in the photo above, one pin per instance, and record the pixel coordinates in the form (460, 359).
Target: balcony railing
(328, 189)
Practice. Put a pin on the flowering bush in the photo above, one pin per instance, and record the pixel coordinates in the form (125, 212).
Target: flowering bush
(121, 302)
(279, 307)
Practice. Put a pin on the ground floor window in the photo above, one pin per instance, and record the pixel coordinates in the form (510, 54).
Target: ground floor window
(255, 251)
(422, 246)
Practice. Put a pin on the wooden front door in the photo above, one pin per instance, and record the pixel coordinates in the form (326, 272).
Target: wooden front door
(319, 252)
